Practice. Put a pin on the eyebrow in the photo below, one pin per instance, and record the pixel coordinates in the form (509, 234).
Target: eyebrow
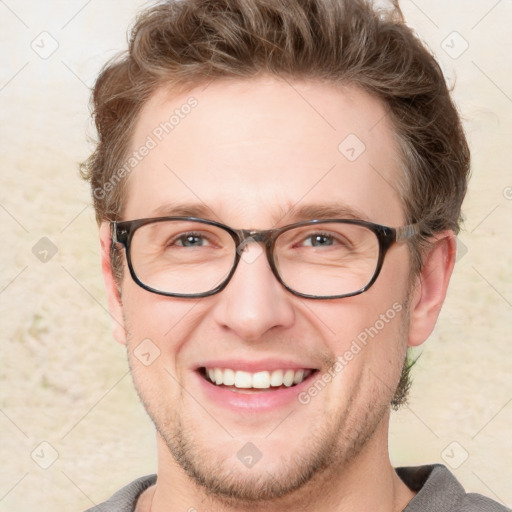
(184, 210)
(323, 211)
(290, 214)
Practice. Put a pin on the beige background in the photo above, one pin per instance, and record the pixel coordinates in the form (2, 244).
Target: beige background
(64, 382)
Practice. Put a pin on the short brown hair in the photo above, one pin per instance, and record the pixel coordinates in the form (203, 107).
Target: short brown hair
(180, 44)
(184, 43)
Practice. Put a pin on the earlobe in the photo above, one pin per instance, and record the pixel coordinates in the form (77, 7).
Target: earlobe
(113, 294)
(429, 291)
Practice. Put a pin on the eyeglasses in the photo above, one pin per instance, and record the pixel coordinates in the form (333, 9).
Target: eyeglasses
(315, 259)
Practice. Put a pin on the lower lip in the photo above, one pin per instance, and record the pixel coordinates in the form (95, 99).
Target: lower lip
(253, 401)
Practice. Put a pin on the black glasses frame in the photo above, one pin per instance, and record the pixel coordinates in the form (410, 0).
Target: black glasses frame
(122, 233)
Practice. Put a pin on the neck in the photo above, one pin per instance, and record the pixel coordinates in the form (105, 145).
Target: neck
(367, 483)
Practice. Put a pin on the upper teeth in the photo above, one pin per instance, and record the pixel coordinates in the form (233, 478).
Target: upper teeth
(260, 380)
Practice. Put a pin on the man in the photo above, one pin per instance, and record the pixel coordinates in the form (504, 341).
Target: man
(278, 186)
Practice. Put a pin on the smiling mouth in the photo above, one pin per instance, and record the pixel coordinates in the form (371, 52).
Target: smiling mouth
(249, 382)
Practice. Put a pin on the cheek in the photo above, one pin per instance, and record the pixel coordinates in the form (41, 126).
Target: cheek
(372, 352)
(151, 315)
(359, 318)
(366, 334)
(155, 327)
(158, 329)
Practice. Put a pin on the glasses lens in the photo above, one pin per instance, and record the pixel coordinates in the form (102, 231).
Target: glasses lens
(182, 257)
(327, 259)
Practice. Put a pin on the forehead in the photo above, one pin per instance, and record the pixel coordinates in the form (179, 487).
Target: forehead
(249, 153)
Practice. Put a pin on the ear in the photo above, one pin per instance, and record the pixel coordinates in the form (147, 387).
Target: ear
(430, 288)
(115, 305)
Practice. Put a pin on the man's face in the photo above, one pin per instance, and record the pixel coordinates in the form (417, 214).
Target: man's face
(252, 154)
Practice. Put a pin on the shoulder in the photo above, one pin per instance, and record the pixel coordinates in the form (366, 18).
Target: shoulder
(126, 498)
(438, 489)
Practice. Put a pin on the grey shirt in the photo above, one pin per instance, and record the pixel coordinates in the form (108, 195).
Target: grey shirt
(437, 491)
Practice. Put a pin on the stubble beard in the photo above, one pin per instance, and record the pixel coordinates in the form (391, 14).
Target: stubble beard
(325, 453)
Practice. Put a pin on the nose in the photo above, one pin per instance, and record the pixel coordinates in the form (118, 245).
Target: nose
(254, 301)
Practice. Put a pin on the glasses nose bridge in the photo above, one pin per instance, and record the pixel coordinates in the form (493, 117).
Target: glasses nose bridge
(246, 236)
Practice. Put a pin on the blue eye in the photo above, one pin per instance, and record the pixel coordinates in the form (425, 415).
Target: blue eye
(319, 240)
(190, 240)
